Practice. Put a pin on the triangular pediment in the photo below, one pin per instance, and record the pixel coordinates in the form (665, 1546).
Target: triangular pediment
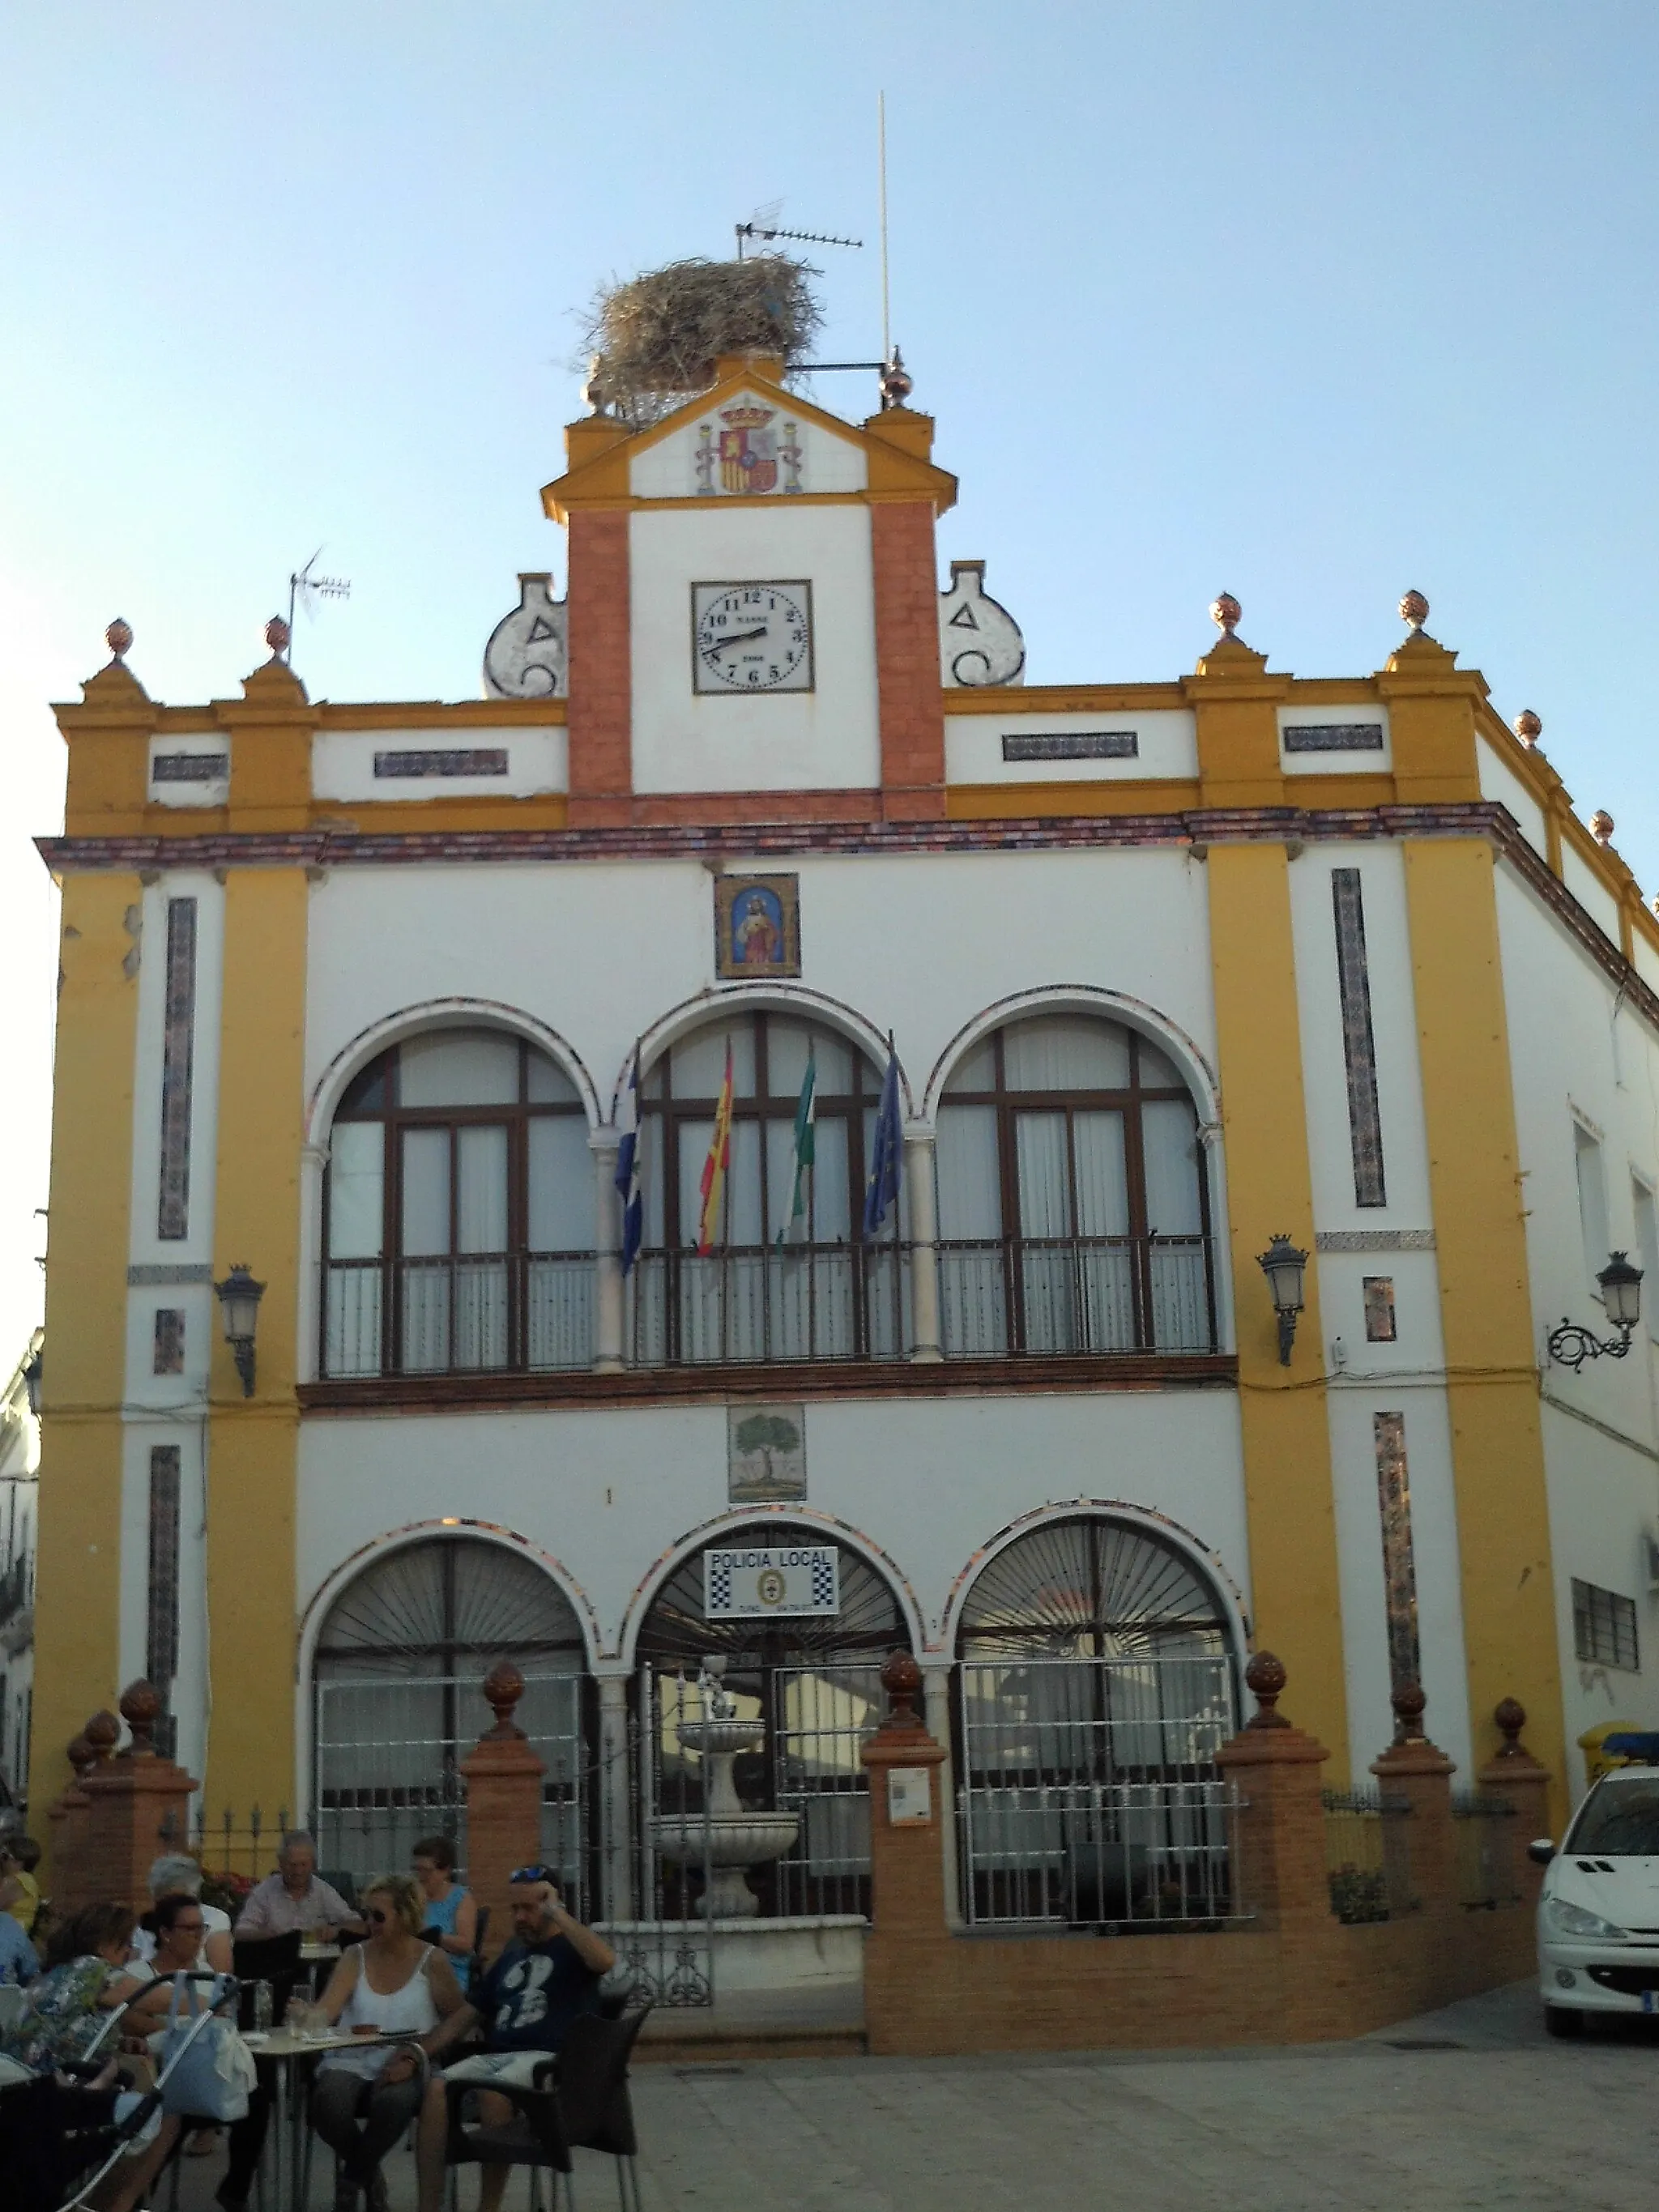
(748, 438)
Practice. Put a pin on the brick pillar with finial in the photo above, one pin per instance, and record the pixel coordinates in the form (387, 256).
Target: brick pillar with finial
(1419, 1771)
(67, 1872)
(138, 1805)
(1523, 1784)
(504, 1780)
(908, 1912)
(1280, 1822)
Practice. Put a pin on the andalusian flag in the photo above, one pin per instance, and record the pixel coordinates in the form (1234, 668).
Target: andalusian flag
(715, 1167)
(797, 1223)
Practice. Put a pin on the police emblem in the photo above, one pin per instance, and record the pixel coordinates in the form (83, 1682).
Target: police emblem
(769, 1587)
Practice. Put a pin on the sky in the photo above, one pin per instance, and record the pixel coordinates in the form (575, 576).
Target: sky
(1308, 302)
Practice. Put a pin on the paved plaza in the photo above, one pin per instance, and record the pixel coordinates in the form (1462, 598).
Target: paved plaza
(1468, 2110)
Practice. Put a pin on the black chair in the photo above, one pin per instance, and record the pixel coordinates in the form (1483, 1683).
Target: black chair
(598, 2112)
(534, 2137)
(273, 1959)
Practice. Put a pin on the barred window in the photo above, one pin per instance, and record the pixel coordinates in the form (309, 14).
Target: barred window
(1604, 1627)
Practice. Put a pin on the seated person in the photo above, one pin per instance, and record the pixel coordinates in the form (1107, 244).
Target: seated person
(296, 1896)
(548, 1975)
(449, 1908)
(176, 1946)
(364, 2099)
(19, 1893)
(176, 1876)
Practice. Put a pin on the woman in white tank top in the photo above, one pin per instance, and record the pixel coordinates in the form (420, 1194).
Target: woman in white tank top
(396, 1984)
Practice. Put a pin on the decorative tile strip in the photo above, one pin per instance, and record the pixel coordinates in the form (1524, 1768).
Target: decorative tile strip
(1358, 1046)
(1334, 738)
(161, 1622)
(481, 760)
(1394, 1499)
(1374, 1240)
(1071, 745)
(152, 1274)
(190, 768)
(168, 1357)
(178, 1048)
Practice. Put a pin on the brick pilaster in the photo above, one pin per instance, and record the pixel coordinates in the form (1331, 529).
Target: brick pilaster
(503, 1778)
(137, 1806)
(601, 669)
(907, 661)
(1523, 1784)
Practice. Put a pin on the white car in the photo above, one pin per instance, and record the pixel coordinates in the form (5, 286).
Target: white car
(1598, 1915)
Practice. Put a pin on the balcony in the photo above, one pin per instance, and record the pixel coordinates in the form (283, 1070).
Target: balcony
(1001, 1304)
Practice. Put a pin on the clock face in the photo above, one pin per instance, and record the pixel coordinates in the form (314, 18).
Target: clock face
(751, 637)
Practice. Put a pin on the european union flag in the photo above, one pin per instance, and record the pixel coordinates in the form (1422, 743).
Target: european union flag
(628, 1168)
(881, 1190)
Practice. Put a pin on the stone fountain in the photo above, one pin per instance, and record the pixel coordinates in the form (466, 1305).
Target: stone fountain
(732, 1837)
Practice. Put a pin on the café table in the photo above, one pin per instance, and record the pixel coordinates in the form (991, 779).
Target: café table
(287, 2164)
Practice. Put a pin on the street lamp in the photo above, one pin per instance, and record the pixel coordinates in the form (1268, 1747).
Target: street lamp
(238, 1296)
(32, 1382)
(1621, 1294)
(1285, 1268)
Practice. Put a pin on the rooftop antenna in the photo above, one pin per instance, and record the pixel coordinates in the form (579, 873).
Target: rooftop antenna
(881, 175)
(303, 587)
(761, 229)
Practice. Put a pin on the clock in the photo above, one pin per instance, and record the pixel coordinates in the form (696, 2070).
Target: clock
(751, 637)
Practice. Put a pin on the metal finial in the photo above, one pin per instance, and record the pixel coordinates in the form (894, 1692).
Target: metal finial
(119, 638)
(1414, 610)
(1528, 728)
(1226, 613)
(1601, 825)
(896, 381)
(277, 634)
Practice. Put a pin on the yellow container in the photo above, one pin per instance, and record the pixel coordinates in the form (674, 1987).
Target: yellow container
(1598, 1762)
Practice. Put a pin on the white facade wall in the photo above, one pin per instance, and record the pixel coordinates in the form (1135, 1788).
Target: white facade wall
(1407, 1376)
(1500, 782)
(342, 763)
(826, 739)
(1576, 1062)
(1166, 746)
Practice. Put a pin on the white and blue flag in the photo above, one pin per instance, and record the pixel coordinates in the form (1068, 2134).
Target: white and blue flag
(627, 1167)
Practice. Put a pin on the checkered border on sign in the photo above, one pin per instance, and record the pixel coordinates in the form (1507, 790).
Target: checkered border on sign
(823, 1581)
(720, 1582)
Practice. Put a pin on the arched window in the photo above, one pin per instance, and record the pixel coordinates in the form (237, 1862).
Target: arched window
(1097, 1687)
(397, 1682)
(1073, 1207)
(812, 1683)
(458, 1212)
(788, 1274)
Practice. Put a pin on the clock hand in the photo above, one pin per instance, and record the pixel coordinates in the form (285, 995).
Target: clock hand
(743, 637)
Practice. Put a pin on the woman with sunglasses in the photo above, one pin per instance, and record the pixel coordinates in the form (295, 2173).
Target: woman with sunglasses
(397, 1984)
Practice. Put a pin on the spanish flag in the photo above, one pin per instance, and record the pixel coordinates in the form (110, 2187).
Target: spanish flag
(715, 1167)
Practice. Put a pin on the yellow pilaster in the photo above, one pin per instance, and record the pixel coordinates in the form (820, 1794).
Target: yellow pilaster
(1498, 1447)
(79, 1567)
(253, 1442)
(1297, 1599)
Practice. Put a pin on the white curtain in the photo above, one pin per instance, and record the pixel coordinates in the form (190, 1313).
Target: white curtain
(1066, 1053)
(458, 1068)
(973, 1295)
(426, 1192)
(560, 1199)
(356, 1190)
(1180, 1314)
(481, 1297)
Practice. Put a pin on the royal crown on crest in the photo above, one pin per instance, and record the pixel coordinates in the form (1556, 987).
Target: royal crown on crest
(746, 418)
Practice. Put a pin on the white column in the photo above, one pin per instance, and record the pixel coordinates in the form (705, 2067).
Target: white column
(924, 1251)
(936, 1712)
(607, 1244)
(615, 1804)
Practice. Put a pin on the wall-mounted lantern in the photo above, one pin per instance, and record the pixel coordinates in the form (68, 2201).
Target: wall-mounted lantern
(1285, 1268)
(32, 1382)
(1621, 1294)
(238, 1296)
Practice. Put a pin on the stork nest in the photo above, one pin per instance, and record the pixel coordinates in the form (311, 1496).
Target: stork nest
(657, 337)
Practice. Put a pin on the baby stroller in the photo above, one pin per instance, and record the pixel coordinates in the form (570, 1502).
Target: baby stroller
(58, 2136)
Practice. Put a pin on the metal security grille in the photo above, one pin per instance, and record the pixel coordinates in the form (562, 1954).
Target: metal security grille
(398, 1672)
(387, 1767)
(1090, 1793)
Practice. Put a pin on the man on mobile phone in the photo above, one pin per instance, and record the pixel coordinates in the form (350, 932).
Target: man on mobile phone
(548, 1975)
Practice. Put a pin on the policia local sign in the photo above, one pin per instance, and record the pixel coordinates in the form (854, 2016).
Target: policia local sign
(774, 1579)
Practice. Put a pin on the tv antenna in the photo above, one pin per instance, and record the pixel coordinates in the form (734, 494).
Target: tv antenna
(761, 229)
(303, 587)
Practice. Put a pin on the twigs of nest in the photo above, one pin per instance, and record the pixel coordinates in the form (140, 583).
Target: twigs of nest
(657, 337)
